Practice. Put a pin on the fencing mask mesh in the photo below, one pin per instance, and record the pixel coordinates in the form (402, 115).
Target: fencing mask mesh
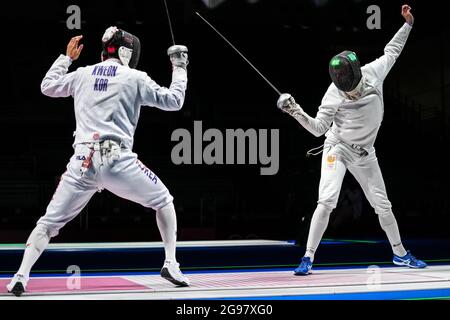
(345, 71)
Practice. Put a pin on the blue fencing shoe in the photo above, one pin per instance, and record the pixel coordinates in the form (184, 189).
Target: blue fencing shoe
(409, 260)
(304, 268)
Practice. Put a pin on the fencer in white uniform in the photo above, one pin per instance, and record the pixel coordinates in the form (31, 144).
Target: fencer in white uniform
(108, 97)
(350, 116)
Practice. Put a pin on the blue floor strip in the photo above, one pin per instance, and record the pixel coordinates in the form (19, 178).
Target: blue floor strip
(388, 295)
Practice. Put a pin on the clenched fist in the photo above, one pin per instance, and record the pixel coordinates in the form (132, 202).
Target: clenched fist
(287, 104)
(406, 13)
(178, 55)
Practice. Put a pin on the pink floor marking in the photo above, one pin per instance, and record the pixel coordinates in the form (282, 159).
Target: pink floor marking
(39, 285)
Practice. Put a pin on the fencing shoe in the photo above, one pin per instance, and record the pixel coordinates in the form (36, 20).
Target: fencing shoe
(17, 285)
(171, 272)
(304, 268)
(409, 260)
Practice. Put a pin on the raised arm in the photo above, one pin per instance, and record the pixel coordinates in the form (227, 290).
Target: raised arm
(57, 82)
(172, 98)
(324, 117)
(381, 66)
(168, 99)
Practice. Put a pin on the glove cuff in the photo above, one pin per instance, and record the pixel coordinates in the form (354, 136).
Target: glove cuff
(179, 65)
(293, 109)
(179, 73)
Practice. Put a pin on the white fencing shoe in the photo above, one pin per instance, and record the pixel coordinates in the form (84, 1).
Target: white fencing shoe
(17, 285)
(171, 272)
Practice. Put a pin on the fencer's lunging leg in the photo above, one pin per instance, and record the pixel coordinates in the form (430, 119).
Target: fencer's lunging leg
(371, 180)
(318, 226)
(37, 242)
(167, 224)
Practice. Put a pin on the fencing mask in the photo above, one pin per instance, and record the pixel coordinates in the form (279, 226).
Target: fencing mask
(345, 71)
(120, 44)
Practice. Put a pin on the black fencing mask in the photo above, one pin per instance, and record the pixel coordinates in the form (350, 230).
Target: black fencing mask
(345, 71)
(122, 45)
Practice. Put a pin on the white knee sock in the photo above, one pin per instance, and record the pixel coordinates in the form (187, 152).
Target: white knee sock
(389, 225)
(167, 225)
(37, 242)
(318, 226)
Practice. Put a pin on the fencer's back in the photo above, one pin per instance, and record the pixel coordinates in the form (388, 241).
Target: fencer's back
(106, 102)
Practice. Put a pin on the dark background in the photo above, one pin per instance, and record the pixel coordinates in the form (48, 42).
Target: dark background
(291, 42)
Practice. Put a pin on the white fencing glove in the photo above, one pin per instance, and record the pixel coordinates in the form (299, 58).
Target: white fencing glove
(178, 56)
(287, 104)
